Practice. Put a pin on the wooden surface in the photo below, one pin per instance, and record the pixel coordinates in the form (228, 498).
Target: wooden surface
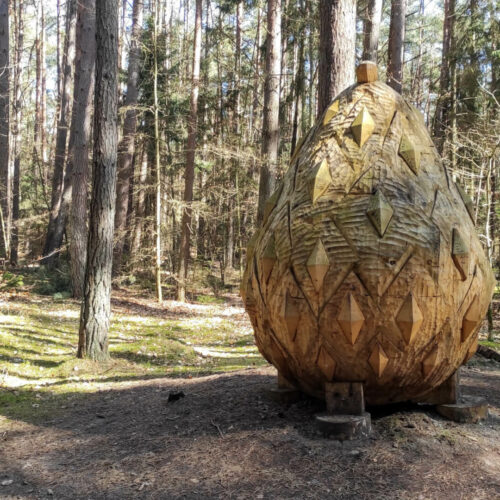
(367, 267)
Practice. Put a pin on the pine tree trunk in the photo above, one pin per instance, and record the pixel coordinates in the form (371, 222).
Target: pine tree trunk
(16, 131)
(140, 208)
(96, 307)
(371, 30)
(444, 103)
(5, 180)
(299, 89)
(78, 157)
(126, 148)
(396, 45)
(55, 229)
(190, 155)
(159, 294)
(337, 44)
(270, 124)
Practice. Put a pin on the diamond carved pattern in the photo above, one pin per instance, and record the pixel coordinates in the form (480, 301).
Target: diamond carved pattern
(292, 316)
(362, 127)
(331, 112)
(379, 212)
(317, 265)
(410, 154)
(326, 363)
(460, 254)
(469, 204)
(471, 319)
(320, 180)
(409, 318)
(271, 202)
(268, 259)
(430, 362)
(378, 360)
(350, 318)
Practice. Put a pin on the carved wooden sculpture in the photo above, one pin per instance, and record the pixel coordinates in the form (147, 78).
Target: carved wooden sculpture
(367, 267)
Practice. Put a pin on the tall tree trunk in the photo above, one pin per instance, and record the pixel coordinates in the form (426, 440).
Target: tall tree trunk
(78, 157)
(444, 103)
(270, 125)
(396, 45)
(337, 44)
(16, 132)
(159, 294)
(96, 306)
(55, 229)
(43, 95)
(5, 180)
(126, 148)
(371, 30)
(140, 208)
(492, 218)
(190, 155)
(298, 87)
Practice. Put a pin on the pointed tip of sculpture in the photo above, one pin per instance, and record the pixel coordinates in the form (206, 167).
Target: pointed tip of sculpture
(366, 72)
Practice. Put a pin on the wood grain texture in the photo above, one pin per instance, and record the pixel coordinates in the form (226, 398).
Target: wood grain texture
(367, 267)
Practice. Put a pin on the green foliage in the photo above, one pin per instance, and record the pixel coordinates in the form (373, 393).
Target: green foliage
(55, 282)
(10, 281)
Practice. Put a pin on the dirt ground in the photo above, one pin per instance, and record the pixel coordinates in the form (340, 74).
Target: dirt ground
(226, 439)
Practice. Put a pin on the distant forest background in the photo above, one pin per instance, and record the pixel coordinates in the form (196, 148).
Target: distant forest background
(192, 97)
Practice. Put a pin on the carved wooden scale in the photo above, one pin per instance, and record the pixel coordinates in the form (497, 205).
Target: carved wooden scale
(367, 267)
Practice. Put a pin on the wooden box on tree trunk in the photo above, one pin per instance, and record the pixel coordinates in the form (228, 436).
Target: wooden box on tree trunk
(367, 267)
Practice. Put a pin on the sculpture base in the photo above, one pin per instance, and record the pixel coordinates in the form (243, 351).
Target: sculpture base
(344, 427)
(284, 396)
(446, 393)
(469, 410)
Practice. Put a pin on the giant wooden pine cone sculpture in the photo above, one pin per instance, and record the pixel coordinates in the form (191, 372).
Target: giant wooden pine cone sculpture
(367, 266)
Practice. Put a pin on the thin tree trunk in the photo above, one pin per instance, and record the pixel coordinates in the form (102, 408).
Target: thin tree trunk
(337, 44)
(96, 307)
(190, 155)
(16, 132)
(270, 125)
(5, 179)
(78, 157)
(159, 294)
(396, 45)
(126, 148)
(492, 235)
(55, 229)
(444, 103)
(140, 209)
(371, 30)
(299, 88)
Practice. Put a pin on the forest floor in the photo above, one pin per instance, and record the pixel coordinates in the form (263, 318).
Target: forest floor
(70, 429)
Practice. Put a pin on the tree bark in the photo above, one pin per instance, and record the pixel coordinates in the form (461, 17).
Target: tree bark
(75, 196)
(190, 156)
(371, 30)
(396, 45)
(16, 130)
(337, 44)
(444, 103)
(5, 178)
(126, 148)
(270, 125)
(159, 294)
(96, 307)
(299, 87)
(140, 208)
(55, 229)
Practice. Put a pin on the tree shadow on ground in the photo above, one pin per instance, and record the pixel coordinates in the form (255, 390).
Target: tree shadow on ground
(226, 439)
